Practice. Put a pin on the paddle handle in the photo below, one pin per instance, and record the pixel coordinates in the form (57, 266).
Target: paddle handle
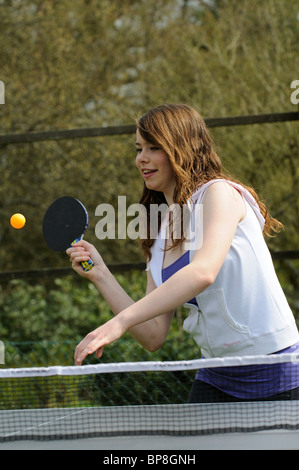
(86, 265)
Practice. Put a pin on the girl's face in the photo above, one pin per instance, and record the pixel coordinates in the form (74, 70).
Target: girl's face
(154, 165)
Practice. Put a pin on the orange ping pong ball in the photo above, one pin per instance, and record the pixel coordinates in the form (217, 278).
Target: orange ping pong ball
(17, 221)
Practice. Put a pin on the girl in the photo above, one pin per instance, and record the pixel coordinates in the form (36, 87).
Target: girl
(224, 274)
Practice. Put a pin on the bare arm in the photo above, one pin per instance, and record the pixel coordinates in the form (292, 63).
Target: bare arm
(223, 210)
(152, 333)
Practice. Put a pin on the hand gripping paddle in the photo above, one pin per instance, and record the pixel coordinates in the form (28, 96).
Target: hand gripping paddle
(65, 223)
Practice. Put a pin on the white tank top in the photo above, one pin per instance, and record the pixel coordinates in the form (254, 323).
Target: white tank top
(245, 310)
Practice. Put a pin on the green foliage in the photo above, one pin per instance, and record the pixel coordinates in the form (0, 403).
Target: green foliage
(87, 63)
(41, 324)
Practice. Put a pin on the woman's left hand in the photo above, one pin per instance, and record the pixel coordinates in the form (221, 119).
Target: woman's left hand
(99, 338)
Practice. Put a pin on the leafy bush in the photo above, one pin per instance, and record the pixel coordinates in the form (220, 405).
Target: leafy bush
(41, 324)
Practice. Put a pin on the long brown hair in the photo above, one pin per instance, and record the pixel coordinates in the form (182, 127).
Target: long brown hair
(181, 132)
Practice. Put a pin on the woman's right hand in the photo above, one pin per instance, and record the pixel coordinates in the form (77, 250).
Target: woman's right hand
(83, 251)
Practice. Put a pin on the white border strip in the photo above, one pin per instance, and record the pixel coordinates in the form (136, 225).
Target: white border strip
(148, 366)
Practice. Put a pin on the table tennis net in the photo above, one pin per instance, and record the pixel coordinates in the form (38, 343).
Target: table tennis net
(140, 398)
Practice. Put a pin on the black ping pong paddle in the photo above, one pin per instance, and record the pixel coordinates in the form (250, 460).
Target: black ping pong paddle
(65, 223)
